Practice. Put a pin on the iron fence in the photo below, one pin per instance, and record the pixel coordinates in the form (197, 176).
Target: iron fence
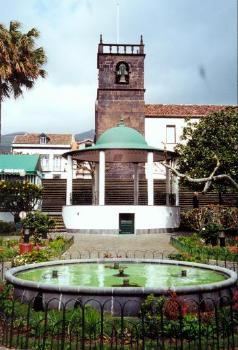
(135, 254)
(218, 259)
(162, 324)
(117, 253)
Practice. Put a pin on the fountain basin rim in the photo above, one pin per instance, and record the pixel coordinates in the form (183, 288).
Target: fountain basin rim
(229, 282)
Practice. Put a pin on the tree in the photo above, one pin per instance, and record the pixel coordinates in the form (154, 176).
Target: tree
(21, 62)
(208, 159)
(17, 196)
(39, 224)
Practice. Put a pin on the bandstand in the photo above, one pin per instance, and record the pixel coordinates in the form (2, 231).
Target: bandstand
(121, 144)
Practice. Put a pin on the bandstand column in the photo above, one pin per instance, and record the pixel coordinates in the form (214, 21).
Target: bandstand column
(136, 184)
(150, 178)
(101, 178)
(69, 181)
(96, 184)
(176, 189)
(168, 187)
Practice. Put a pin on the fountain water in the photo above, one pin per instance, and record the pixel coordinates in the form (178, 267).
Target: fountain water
(80, 279)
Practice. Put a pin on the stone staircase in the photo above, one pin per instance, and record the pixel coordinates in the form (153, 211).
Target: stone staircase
(59, 224)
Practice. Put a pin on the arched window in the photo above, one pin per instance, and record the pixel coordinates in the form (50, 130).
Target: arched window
(122, 73)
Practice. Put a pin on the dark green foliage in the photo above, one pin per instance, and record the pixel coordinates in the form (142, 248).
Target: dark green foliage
(226, 218)
(193, 248)
(210, 233)
(7, 228)
(214, 135)
(8, 248)
(38, 223)
(164, 323)
(17, 196)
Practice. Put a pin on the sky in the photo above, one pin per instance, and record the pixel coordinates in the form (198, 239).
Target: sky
(190, 46)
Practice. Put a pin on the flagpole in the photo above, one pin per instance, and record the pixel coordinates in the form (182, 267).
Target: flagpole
(117, 22)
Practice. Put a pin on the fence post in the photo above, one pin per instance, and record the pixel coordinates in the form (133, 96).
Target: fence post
(102, 326)
(199, 323)
(180, 325)
(83, 328)
(122, 325)
(27, 326)
(63, 329)
(11, 325)
(45, 327)
(232, 320)
(162, 326)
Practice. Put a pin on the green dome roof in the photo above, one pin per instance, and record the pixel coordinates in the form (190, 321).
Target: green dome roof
(121, 136)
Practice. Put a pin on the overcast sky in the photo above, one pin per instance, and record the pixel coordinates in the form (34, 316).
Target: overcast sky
(190, 46)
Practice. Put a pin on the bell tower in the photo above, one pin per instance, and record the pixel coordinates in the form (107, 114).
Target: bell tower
(120, 90)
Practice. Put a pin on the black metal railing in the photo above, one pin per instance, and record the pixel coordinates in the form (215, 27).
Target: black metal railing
(137, 254)
(223, 260)
(162, 324)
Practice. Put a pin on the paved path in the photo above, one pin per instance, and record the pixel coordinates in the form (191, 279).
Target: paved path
(140, 245)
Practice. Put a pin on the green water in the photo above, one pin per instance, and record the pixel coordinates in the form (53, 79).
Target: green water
(142, 274)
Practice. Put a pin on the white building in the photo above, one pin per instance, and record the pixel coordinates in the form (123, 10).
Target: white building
(164, 125)
(50, 147)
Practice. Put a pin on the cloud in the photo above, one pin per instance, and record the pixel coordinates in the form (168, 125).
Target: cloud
(51, 108)
(179, 37)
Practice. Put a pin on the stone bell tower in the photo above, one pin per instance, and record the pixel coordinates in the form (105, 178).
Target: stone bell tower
(120, 92)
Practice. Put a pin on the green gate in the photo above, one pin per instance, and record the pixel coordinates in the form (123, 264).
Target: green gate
(126, 223)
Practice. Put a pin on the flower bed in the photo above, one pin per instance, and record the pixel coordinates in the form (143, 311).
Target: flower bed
(47, 250)
(195, 247)
(8, 248)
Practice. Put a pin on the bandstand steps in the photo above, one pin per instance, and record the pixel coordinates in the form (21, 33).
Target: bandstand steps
(54, 195)
(59, 223)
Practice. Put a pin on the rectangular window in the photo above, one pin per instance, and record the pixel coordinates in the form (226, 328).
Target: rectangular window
(170, 134)
(57, 163)
(45, 162)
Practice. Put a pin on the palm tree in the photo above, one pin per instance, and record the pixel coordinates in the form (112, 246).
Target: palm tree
(20, 61)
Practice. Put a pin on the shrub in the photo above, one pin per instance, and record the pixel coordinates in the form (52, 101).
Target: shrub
(8, 248)
(210, 233)
(39, 224)
(197, 219)
(17, 196)
(7, 227)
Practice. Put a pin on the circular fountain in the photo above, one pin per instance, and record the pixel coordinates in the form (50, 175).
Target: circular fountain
(116, 282)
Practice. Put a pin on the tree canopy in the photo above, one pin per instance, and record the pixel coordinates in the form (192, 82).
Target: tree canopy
(210, 149)
(17, 196)
(21, 61)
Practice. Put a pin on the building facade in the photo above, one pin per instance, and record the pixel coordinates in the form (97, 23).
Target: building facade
(50, 147)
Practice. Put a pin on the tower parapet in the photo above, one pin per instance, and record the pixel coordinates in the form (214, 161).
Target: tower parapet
(120, 85)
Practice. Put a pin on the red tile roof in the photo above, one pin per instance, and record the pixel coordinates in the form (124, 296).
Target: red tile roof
(52, 139)
(162, 110)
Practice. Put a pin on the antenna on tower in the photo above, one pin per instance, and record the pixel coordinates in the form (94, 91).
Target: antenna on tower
(117, 22)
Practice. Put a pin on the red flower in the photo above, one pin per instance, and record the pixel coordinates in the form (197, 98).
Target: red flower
(235, 307)
(235, 296)
(184, 309)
